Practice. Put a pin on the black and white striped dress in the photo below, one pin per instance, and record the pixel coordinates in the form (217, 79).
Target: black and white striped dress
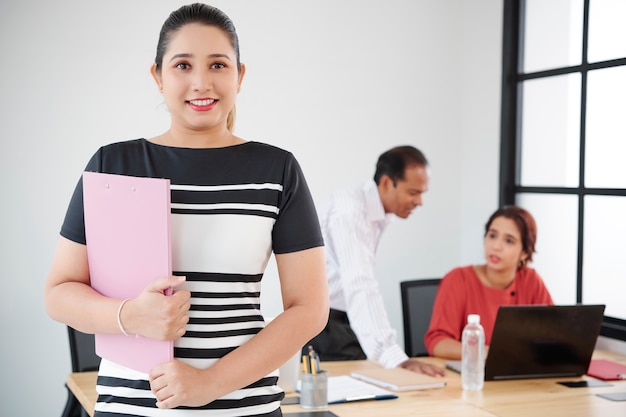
(231, 207)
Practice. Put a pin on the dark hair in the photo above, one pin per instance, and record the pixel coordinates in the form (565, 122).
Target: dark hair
(525, 224)
(206, 15)
(394, 162)
(195, 13)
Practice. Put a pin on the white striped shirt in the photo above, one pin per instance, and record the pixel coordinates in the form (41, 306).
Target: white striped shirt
(352, 224)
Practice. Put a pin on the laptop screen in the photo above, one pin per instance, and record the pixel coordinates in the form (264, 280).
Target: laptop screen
(536, 341)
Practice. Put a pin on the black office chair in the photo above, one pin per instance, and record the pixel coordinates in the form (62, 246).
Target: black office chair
(418, 297)
(84, 359)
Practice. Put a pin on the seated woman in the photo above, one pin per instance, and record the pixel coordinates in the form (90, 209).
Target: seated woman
(505, 279)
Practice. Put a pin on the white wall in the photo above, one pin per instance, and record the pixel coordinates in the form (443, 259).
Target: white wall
(335, 82)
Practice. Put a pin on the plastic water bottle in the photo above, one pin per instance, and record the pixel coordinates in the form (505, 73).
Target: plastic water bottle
(473, 355)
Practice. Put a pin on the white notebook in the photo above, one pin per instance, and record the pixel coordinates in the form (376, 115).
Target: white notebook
(399, 379)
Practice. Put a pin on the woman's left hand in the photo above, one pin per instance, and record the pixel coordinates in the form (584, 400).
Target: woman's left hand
(175, 384)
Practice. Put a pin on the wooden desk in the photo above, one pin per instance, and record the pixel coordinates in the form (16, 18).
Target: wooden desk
(518, 398)
(83, 385)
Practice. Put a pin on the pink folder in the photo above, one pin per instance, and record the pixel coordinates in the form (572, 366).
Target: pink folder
(127, 226)
(606, 370)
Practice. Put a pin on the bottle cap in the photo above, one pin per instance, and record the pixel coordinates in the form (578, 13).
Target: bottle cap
(473, 318)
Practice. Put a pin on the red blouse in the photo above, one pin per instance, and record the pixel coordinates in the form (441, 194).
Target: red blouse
(461, 293)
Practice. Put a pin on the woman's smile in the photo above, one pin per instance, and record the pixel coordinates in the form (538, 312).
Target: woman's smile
(203, 104)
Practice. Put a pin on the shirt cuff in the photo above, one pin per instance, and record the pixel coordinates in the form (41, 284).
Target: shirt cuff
(393, 357)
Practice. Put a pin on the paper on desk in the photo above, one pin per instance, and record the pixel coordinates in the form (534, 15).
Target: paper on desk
(344, 388)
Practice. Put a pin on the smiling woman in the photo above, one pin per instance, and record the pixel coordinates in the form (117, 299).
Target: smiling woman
(234, 203)
(198, 70)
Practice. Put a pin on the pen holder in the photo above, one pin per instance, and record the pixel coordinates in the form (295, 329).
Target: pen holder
(314, 390)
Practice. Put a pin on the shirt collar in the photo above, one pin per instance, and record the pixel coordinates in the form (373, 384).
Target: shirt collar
(375, 210)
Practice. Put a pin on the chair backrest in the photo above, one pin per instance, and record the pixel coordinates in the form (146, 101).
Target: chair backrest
(82, 351)
(418, 297)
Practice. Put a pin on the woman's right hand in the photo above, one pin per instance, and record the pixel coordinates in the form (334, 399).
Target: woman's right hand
(154, 314)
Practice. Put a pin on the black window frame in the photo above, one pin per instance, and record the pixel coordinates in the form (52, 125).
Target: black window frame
(510, 143)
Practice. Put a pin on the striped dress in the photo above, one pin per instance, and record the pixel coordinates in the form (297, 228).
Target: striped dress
(231, 208)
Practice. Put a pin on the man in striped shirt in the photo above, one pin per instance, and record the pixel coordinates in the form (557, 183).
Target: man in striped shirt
(352, 225)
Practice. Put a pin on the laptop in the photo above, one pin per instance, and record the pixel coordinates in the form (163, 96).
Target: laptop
(539, 341)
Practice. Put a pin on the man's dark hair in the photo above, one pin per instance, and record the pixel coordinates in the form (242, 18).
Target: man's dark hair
(394, 162)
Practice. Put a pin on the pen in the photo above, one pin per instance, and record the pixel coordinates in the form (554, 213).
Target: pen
(306, 364)
(361, 397)
(314, 360)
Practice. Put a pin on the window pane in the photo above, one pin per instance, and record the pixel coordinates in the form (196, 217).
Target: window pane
(606, 131)
(556, 258)
(604, 269)
(607, 30)
(552, 34)
(551, 131)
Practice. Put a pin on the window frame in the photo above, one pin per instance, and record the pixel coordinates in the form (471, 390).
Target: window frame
(510, 141)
